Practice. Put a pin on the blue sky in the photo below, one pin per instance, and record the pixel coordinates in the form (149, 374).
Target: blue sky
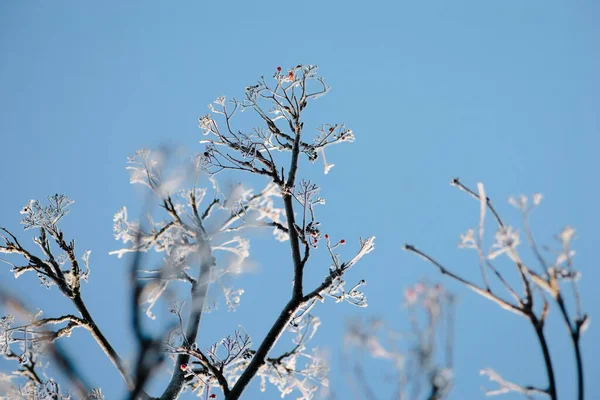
(506, 93)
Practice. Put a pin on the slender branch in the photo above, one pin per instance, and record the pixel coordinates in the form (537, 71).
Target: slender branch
(208, 210)
(579, 361)
(539, 330)
(456, 182)
(102, 341)
(482, 292)
(574, 333)
(271, 224)
(291, 220)
(506, 386)
(263, 350)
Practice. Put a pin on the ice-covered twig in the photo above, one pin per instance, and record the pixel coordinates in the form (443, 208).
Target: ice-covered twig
(507, 386)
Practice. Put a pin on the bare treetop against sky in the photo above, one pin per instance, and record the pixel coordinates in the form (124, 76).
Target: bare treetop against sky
(505, 93)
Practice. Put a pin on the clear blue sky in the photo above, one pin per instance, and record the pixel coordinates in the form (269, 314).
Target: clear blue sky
(503, 92)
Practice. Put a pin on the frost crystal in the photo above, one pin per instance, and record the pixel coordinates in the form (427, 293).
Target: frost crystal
(36, 216)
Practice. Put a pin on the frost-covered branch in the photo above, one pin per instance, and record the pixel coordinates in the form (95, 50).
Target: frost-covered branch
(51, 269)
(297, 369)
(199, 234)
(507, 386)
(534, 284)
(280, 106)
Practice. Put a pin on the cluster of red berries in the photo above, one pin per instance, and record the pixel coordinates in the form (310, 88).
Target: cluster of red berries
(326, 236)
(342, 135)
(314, 238)
(290, 74)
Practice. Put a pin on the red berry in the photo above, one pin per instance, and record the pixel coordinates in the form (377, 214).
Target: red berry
(183, 367)
(291, 75)
(342, 241)
(213, 396)
(278, 69)
(326, 236)
(331, 129)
